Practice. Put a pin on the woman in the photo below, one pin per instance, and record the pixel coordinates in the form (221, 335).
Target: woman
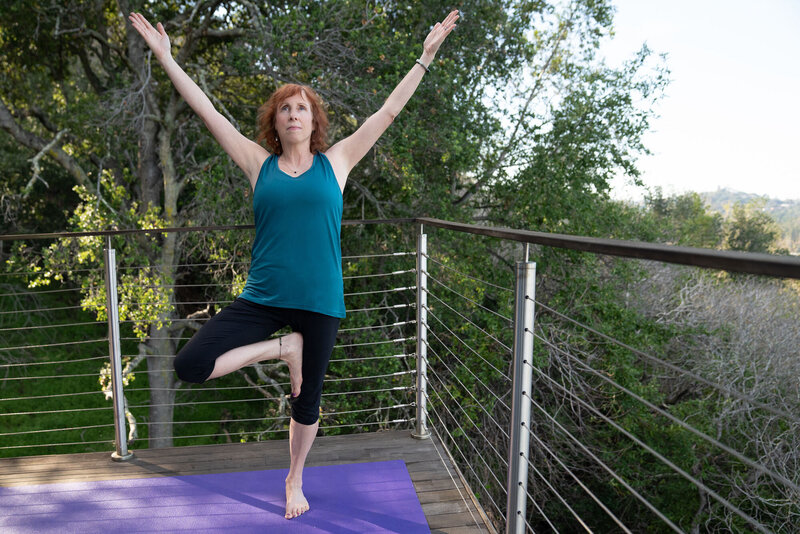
(295, 275)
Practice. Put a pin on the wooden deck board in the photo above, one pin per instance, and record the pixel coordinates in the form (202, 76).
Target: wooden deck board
(447, 505)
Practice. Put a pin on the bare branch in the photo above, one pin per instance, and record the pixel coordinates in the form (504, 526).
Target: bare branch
(368, 195)
(35, 142)
(35, 160)
(511, 142)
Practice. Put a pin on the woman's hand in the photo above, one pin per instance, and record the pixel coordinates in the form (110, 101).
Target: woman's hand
(437, 35)
(157, 40)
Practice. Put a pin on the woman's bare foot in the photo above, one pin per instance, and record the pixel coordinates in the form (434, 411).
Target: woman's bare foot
(292, 354)
(296, 502)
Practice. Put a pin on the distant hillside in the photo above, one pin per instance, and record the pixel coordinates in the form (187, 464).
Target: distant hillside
(785, 212)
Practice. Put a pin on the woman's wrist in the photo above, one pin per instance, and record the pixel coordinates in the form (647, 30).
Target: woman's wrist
(426, 59)
(165, 59)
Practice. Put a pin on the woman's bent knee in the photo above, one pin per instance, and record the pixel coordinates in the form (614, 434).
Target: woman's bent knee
(305, 415)
(188, 370)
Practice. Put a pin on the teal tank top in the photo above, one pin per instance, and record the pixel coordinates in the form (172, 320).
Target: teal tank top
(296, 257)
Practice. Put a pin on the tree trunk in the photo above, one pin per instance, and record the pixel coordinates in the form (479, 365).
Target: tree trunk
(161, 374)
(162, 377)
(162, 383)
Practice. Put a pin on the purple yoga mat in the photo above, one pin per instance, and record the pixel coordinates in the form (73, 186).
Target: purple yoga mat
(352, 498)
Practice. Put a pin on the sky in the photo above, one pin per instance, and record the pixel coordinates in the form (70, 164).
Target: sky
(731, 114)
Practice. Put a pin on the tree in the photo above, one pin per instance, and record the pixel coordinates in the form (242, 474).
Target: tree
(685, 219)
(73, 74)
(515, 87)
(751, 229)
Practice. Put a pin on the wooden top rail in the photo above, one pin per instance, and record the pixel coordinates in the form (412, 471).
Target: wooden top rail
(726, 260)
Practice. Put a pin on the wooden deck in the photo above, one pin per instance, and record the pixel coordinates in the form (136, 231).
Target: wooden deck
(447, 504)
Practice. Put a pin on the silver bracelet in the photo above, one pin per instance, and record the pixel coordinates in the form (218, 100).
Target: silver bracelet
(421, 64)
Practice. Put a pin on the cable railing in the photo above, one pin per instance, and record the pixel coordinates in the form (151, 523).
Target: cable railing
(54, 350)
(600, 416)
(557, 414)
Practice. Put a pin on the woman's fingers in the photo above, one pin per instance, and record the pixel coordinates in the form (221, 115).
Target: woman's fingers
(140, 24)
(448, 24)
(156, 39)
(144, 27)
(440, 31)
(450, 18)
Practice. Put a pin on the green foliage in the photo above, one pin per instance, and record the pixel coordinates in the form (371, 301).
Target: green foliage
(786, 213)
(685, 220)
(751, 230)
(80, 260)
(518, 124)
(47, 384)
(49, 198)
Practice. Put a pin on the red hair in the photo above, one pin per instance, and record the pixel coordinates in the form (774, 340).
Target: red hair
(266, 118)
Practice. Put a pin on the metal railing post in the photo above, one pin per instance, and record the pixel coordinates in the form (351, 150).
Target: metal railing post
(421, 430)
(521, 400)
(115, 353)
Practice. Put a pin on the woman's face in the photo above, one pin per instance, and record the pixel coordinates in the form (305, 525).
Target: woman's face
(294, 120)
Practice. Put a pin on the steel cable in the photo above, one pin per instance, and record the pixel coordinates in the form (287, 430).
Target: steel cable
(380, 291)
(29, 364)
(610, 471)
(718, 387)
(467, 369)
(40, 310)
(378, 275)
(347, 360)
(455, 485)
(370, 343)
(395, 421)
(72, 410)
(469, 299)
(26, 432)
(376, 327)
(733, 452)
(468, 320)
(251, 420)
(64, 344)
(386, 255)
(471, 444)
(466, 462)
(391, 307)
(474, 424)
(578, 481)
(434, 260)
(475, 352)
(47, 326)
(267, 399)
(558, 496)
(47, 291)
(478, 403)
(664, 460)
(52, 396)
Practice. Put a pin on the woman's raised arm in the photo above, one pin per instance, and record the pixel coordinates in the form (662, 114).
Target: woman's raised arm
(247, 154)
(346, 153)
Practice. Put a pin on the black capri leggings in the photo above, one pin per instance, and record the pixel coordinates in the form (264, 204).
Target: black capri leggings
(243, 323)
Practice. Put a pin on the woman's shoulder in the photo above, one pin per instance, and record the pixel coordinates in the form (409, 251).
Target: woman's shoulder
(268, 160)
(323, 158)
(264, 168)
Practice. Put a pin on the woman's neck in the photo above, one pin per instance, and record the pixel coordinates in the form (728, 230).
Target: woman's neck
(296, 155)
